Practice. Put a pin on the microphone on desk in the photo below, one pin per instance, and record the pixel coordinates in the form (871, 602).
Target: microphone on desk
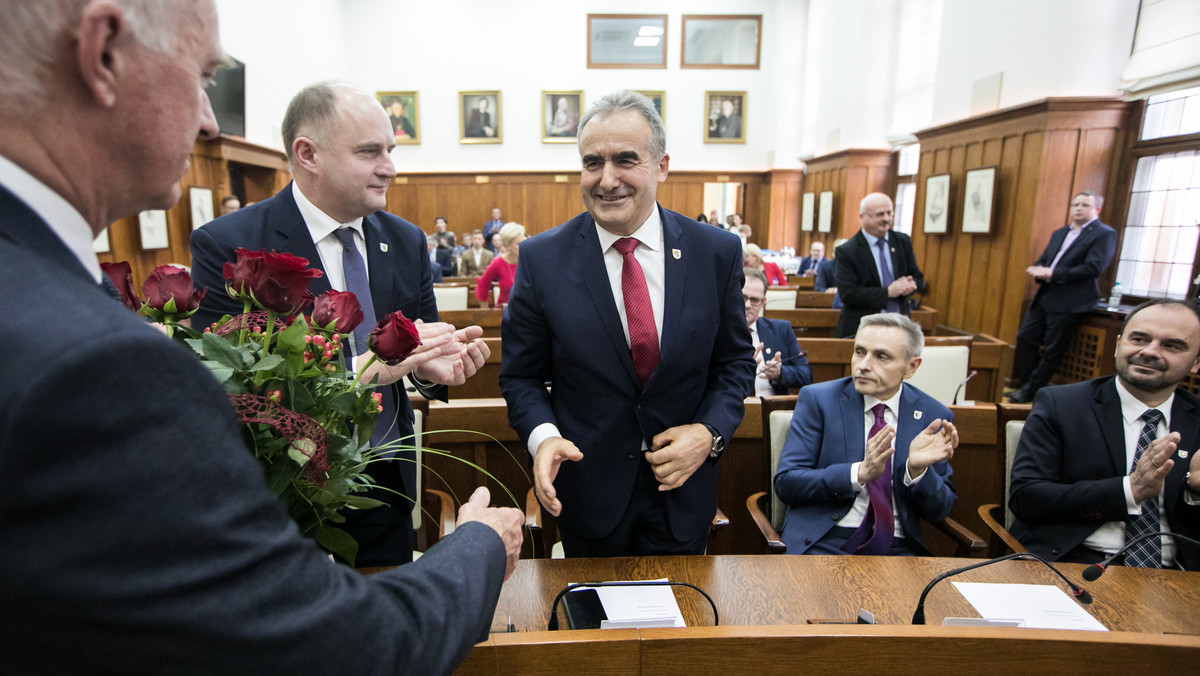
(972, 374)
(1094, 571)
(1079, 592)
(552, 625)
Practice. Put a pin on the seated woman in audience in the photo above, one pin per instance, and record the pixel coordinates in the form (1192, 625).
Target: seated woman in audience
(503, 268)
(752, 258)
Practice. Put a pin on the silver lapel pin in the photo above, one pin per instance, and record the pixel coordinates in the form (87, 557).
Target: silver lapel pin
(916, 415)
(1183, 454)
(383, 247)
(676, 254)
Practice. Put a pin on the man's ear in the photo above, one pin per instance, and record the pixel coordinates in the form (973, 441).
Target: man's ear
(305, 153)
(100, 42)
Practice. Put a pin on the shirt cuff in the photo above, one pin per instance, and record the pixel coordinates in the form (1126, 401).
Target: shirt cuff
(858, 488)
(908, 480)
(1131, 505)
(539, 434)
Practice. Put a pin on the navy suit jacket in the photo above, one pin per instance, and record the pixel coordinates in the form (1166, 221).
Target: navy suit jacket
(778, 337)
(135, 522)
(565, 329)
(807, 262)
(858, 283)
(1068, 470)
(445, 263)
(827, 435)
(1075, 287)
(827, 278)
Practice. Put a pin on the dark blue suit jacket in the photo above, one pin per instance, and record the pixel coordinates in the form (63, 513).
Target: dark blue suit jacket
(445, 264)
(135, 522)
(806, 263)
(826, 437)
(1075, 286)
(565, 329)
(1068, 470)
(778, 337)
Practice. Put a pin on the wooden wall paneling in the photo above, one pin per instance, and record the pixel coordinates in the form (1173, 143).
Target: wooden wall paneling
(785, 190)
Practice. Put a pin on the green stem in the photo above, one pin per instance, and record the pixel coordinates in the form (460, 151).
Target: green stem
(363, 369)
(242, 331)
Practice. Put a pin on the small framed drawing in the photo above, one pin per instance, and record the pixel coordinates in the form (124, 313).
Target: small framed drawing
(725, 117)
(721, 41)
(937, 202)
(806, 212)
(404, 110)
(560, 116)
(479, 118)
(659, 99)
(200, 201)
(978, 200)
(825, 217)
(627, 41)
(152, 226)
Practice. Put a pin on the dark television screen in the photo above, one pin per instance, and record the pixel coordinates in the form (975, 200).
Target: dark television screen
(228, 96)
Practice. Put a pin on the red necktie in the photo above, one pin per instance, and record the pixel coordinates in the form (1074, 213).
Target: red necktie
(643, 336)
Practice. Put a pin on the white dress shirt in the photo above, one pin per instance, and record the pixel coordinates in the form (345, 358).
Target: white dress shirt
(651, 256)
(762, 386)
(62, 218)
(862, 501)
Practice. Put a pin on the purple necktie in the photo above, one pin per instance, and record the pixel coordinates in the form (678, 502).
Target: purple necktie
(874, 535)
(639, 313)
(885, 273)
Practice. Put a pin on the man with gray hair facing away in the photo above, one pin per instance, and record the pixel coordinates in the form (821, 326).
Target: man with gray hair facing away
(870, 450)
(645, 346)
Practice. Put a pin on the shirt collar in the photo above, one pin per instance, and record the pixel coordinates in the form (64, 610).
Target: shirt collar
(871, 239)
(63, 219)
(650, 233)
(1132, 409)
(892, 404)
(320, 224)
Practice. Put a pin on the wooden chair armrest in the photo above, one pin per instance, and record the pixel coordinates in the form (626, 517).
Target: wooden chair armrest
(446, 519)
(988, 514)
(533, 511)
(719, 520)
(968, 542)
(774, 542)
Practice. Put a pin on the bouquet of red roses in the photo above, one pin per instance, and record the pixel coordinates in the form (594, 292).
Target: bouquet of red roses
(305, 415)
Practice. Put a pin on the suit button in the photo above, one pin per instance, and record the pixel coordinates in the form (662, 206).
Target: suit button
(640, 406)
(834, 517)
(1056, 551)
(808, 541)
(632, 456)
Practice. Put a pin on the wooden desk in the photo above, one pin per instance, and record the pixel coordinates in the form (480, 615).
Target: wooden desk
(765, 602)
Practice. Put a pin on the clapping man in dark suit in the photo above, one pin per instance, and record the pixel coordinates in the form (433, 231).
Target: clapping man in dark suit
(1109, 459)
(876, 269)
(1067, 275)
(781, 365)
(492, 228)
(867, 457)
(332, 214)
(810, 263)
(137, 535)
(644, 344)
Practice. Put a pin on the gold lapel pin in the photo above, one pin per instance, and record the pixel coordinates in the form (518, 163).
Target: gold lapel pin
(676, 253)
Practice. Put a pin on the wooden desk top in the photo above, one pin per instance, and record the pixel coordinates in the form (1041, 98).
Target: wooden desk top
(790, 590)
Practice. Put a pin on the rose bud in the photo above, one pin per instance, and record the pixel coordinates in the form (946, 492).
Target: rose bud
(340, 308)
(275, 281)
(122, 277)
(169, 290)
(394, 338)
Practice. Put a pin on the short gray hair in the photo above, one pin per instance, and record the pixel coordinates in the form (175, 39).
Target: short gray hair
(310, 113)
(619, 102)
(33, 31)
(915, 340)
(755, 273)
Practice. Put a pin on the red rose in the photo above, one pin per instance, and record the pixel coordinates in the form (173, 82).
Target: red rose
(169, 289)
(276, 281)
(394, 338)
(122, 277)
(337, 306)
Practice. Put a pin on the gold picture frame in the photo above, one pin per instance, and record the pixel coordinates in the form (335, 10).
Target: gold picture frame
(659, 99)
(724, 117)
(561, 111)
(404, 111)
(480, 119)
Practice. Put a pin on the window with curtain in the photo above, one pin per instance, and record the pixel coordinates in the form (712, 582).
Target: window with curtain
(907, 158)
(1158, 248)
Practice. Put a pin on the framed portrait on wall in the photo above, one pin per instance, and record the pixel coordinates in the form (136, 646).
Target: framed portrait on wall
(404, 111)
(200, 201)
(806, 211)
(937, 203)
(825, 217)
(978, 200)
(560, 116)
(479, 118)
(659, 99)
(152, 226)
(725, 117)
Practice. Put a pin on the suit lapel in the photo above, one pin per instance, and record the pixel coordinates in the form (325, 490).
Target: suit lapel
(910, 420)
(867, 257)
(1107, 408)
(675, 286)
(292, 236)
(851, 405)
(379, 259)
(589, 261)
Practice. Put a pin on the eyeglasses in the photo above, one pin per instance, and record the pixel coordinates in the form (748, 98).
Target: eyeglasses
(754, 302)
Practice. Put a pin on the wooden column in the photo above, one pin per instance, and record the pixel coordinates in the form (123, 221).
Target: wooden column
(851, 175)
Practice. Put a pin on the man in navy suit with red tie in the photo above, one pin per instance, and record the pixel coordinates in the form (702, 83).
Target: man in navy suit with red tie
(1067, 275)
(644, 346)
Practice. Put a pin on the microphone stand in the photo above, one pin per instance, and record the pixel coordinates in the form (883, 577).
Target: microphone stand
(972, 374)
(1094, 571)
(1079, 592)
(552, 625)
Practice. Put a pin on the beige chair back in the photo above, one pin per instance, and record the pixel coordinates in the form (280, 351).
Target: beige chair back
(1012, 435)
(450, 297)
(942, 370)
(781, 299)
(780, 422)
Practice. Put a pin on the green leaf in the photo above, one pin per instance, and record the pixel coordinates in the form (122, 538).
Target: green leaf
(279, 475)
(337, 542)
(301, 450)
(220, 371)
(301, 399)
(345, 404)
(292, 338)
(267, 363)
(218, 349)
(359, 502)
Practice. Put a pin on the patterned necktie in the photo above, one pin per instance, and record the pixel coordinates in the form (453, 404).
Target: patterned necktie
(1147, 554)
(875, 533)
(643, 336)
(885, 273)
(355, 271)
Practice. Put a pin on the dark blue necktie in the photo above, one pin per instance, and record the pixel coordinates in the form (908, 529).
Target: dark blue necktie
(1147, 554)
(885, 273)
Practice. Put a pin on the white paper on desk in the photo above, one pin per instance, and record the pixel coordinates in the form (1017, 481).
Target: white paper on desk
(641, 606)
(1042, 606)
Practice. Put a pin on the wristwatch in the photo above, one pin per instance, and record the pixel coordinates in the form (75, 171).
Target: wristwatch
(1190, 495)
(718, 442)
